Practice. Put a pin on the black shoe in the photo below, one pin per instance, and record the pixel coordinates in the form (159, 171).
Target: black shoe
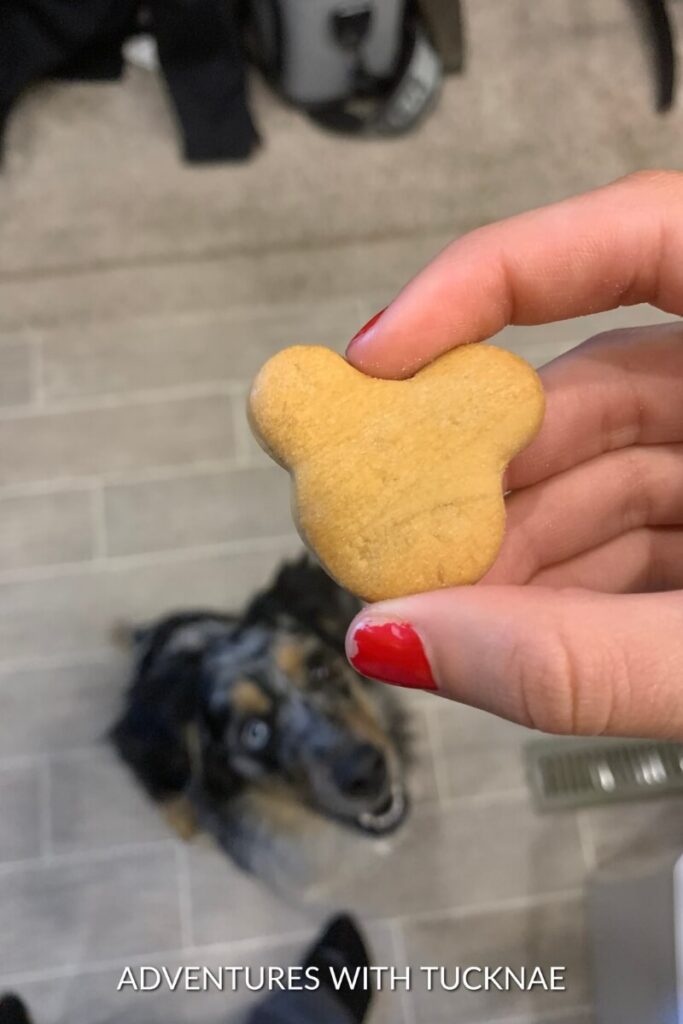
(13, 1011)
(341, 945)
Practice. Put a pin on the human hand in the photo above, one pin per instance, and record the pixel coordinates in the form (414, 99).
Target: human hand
(578, 627)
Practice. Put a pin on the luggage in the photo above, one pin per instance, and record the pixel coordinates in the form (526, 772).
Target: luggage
(364, 67)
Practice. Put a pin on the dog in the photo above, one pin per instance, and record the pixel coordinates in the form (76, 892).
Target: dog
(234, 723)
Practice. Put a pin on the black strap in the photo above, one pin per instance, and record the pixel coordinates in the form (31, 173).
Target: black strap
(657, 24)
(201, 57)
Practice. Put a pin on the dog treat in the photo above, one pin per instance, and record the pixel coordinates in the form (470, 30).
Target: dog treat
(397, 485)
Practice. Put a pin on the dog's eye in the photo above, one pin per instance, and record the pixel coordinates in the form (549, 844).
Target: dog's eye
(255, 734)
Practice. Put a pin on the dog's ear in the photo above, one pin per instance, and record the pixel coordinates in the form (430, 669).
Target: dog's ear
(150, 736)
(155, 750)
(165, 697)
(13, 1010)
(304, 596)
(176, 635)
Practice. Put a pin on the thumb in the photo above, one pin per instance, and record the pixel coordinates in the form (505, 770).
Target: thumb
(564, 661)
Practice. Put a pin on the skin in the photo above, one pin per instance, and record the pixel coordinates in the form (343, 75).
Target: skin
(578, 627)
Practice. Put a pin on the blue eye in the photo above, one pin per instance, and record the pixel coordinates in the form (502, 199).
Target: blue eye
(255, 734)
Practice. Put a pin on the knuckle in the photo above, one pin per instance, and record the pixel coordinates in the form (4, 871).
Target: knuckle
(613, 339)
(635, 486)
(569, 687)
(543, 675)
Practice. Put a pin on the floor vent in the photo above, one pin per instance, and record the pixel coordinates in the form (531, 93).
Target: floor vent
(584, 773)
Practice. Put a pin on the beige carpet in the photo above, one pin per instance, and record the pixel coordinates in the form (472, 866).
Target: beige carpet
(557, 98)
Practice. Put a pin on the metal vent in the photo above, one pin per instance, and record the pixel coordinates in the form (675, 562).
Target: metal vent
(581, 773)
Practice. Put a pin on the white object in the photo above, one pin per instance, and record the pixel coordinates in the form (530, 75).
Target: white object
(636, 932)
(141, 51)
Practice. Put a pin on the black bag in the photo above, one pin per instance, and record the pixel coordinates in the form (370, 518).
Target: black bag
(199, 47)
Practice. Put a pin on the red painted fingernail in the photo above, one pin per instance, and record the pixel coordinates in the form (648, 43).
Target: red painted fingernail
(365, 329)
(392, 652)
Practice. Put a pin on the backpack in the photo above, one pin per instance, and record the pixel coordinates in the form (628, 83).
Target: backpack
(362, 67)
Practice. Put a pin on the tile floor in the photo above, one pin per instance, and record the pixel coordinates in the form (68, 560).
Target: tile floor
(121, 501)
(137, 298)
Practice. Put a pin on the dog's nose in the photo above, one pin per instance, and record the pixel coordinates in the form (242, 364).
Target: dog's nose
(361, 771)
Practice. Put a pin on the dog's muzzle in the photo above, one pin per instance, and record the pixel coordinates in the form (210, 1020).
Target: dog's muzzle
(369, 791)
(388, 815)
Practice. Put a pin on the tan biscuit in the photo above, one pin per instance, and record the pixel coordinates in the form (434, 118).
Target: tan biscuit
(398, 484)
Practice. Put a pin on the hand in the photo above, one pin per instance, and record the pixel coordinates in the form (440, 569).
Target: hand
(578, 627)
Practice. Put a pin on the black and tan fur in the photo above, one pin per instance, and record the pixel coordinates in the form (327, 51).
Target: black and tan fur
(233, 722)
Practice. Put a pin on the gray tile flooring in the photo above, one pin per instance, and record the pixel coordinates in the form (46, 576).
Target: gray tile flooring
(137, 299)
(125, 494)
(542, 933)
(155, 497)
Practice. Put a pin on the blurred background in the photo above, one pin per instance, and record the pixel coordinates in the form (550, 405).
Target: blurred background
(139, 293)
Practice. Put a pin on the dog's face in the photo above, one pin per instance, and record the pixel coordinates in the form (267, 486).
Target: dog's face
(266, 701)
(285, 708)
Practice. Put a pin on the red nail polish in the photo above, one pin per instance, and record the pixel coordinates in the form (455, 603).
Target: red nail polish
(392, 652)
(365, 328)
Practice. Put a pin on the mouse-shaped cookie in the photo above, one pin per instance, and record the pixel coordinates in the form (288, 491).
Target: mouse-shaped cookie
(397, 485)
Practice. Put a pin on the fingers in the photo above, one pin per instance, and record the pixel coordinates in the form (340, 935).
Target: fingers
(639, 561)
(619, 245)
(567, 661)
(617, 389)
(587, 506)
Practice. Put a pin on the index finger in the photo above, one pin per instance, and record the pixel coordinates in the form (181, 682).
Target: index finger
(616, 246)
